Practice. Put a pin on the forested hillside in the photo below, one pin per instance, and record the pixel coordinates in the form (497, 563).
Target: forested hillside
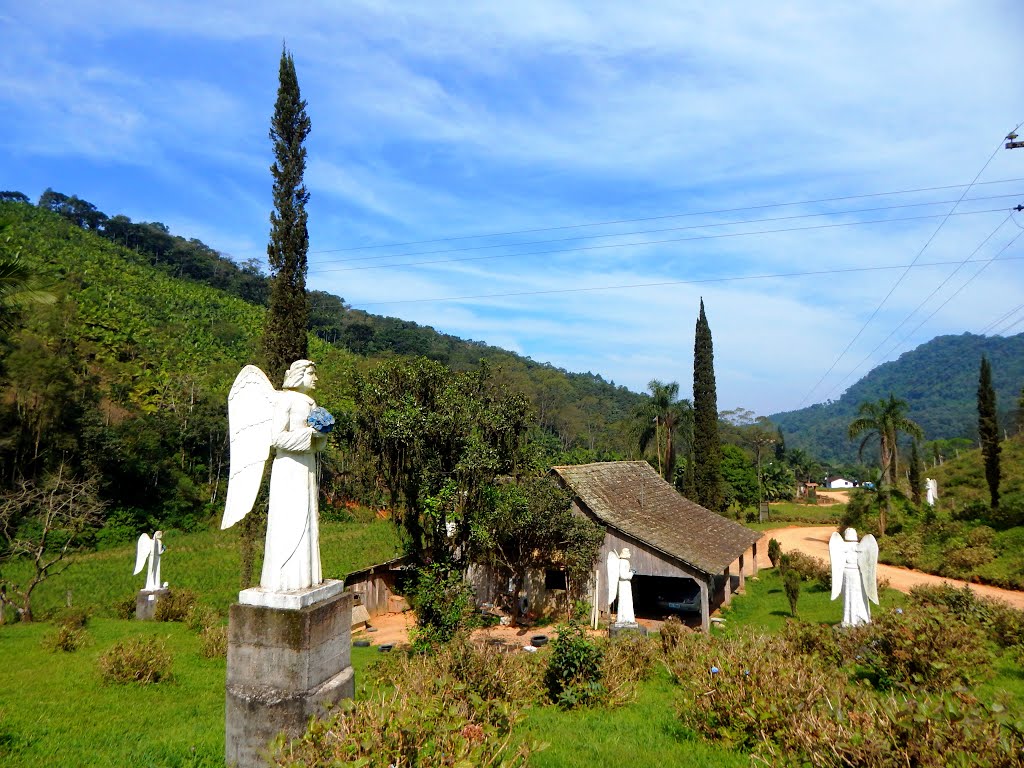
(124, 377)
(939, 381)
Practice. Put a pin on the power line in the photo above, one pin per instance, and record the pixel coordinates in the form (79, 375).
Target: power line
(655, 218)
(1015, 195)
(656, 242)
(899, 280)
(627, 286)
(926, 300)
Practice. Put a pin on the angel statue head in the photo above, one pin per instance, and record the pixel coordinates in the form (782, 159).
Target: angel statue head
(301, 376)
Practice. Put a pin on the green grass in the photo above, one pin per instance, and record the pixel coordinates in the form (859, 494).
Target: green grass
(645, 734)
(56, 711)
(206, 562)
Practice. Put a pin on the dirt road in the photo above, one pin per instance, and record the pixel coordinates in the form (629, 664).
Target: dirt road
(814, 541)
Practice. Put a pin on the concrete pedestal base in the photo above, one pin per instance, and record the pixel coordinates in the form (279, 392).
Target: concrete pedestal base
(284, 666)
(145, 603)
(624, 628)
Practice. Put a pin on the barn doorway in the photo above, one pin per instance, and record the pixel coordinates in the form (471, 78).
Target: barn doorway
(657, 597)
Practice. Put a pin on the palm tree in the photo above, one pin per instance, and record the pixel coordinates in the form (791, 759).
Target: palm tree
(17, 285)
(884, 420)
(660, 419)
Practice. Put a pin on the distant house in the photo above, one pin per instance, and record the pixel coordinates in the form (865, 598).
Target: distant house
(840, 482)
(683, 555)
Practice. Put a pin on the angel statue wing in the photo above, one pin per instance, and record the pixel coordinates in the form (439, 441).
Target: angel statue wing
(837, 554)
(250, 423)
(613, 575)
(142, 551)
(867, 558)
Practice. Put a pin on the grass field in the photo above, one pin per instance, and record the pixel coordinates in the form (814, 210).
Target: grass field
(206, 562)
(55, 710)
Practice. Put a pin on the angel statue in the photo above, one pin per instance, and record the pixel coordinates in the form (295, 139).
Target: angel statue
(619, 575)
(150, 549)
(853, 573)
(289, 421)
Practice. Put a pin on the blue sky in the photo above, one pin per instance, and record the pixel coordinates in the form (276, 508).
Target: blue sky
(690, 123)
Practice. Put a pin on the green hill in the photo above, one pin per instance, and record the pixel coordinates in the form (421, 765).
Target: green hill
(939, 381)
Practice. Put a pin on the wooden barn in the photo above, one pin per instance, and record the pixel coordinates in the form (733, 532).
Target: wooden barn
(380, 587)
(685, 557)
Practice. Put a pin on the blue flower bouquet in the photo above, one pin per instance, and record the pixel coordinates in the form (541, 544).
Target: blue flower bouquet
(320, 420)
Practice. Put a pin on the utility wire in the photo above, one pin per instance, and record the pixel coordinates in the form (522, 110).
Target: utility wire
(735, 278)
(655, 218)
(926, 300)
(1015, 195)
(656, 242)
(899, 280)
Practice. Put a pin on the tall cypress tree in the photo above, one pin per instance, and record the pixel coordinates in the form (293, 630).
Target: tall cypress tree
(284, 331)
(707, 450)
(988, 430)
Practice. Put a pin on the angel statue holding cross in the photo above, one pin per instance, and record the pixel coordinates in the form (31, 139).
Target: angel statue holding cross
(261, 418)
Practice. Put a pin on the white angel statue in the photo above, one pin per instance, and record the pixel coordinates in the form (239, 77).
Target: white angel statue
(853, 573)
(261, 418)
(619, 576)
(150, 549)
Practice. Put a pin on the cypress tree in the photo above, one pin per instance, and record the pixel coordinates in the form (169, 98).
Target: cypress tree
(284, 331)
(916, 474)
(707, 451)
(988, 430)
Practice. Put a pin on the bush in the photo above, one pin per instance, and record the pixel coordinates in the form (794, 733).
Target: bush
(626, 660)
(214, 642)
(791, 583)
(64, 638)
(903, 549)
(176, 605)
(443, 603)
(672, 631)
(1003, 624)
(774, 552)
(199, 618)
(573, 676)
(74, 618)
(125, 608)
(811, 568)
(454, 707)
(142, 660)
(922, 647)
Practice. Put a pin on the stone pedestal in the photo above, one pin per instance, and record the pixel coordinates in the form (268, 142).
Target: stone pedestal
(145, 603)
(625, 628)
(284, 666)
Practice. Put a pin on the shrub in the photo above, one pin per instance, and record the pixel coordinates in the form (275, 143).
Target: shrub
(74, 618)
(454, 707)
(818, 640)
(200, 618)
(142, 660)
(626, 660)
(672, 631)
(922, 647)
(573, 676)
(214, 642)
(774, 552)
(175, 605)
(125, 607)
(810, 568)
(791, 583)
(443, 603)
(64, 638)
(1002, 623)
(903, 549)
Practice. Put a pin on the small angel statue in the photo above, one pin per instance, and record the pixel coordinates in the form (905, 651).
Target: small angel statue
(619, 576)
(289, 421)
(150, 549)
(853, 573)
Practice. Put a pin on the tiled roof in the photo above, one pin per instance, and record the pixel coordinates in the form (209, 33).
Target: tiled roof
(632, 498)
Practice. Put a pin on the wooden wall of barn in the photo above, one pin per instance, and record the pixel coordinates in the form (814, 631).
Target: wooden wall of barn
(374, 590)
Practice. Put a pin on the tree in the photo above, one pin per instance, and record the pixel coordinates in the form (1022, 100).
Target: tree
(916, 474)
(884, 420)
(44, 522)
(18, 284)
(988, 429)
(439, 439)
(660, 419)
(707, 450)
(284, 332)
(531, 525)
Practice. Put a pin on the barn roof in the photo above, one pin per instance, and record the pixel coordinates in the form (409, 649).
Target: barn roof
(632, 498)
